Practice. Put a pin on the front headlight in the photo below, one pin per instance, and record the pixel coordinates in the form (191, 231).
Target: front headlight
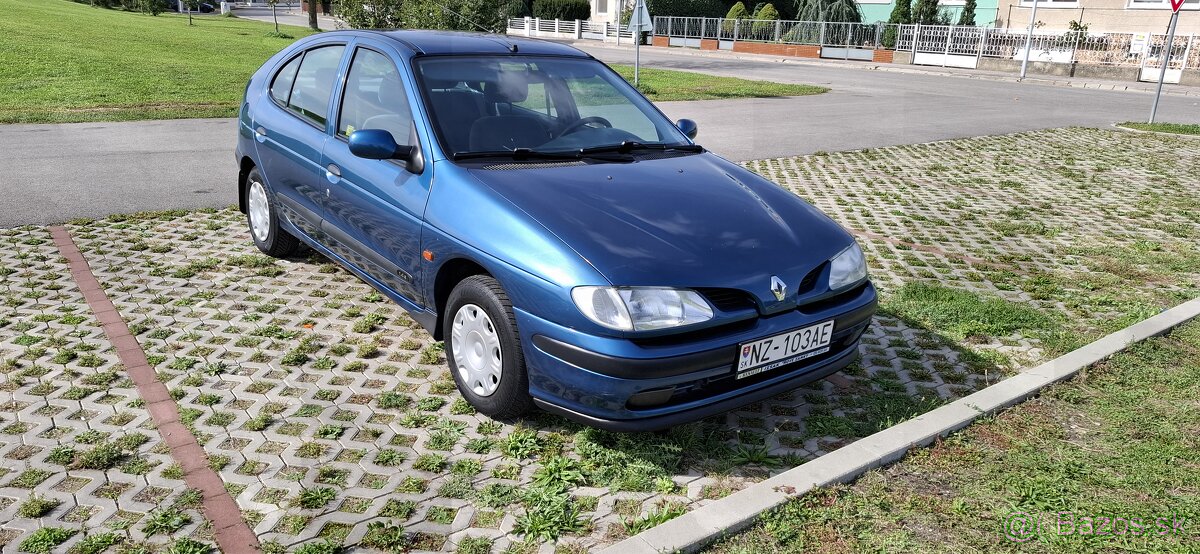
(847, 268)
(641, 308)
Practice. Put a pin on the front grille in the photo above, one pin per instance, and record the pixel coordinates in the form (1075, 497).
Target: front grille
(727, 300)
(810, 281)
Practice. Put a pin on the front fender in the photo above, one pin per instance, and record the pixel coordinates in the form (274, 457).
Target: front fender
(466, 219)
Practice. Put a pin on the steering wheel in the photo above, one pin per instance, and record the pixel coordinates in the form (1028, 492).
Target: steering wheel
(584, 121)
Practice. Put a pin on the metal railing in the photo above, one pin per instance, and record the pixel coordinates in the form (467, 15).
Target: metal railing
(1115, 49)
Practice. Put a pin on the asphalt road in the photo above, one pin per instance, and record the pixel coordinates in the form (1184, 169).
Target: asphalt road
(61, 172)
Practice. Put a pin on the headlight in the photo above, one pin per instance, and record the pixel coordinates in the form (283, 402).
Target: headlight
(641, 308)
(847, 268)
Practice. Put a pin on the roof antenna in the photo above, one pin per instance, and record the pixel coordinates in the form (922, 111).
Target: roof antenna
(513, 47)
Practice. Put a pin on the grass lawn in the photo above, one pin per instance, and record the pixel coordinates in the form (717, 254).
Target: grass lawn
(66, 62)
(663, 85)
(1177, 128)
(1119, 441)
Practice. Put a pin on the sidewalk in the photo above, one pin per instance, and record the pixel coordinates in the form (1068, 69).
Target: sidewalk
(288, 15)
(1097, 84)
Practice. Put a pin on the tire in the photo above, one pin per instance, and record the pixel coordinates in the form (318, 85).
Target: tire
(262, 217)
(476, 305)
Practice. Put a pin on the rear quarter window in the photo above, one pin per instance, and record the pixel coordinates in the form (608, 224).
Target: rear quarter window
(281, 86)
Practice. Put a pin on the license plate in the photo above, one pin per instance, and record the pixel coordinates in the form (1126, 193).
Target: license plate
(780, 350)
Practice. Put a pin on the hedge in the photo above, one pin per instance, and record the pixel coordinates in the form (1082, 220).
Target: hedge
(566, 10)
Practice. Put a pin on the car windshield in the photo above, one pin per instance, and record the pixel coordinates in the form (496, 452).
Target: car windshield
(527, 104)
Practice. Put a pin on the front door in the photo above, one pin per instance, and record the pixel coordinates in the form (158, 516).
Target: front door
(374, 208)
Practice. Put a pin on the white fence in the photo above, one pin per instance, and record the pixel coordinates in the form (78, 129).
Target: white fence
(944, 45)
(577, 29)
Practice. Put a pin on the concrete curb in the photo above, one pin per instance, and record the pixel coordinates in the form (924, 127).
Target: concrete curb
(1120, 127)
(914, 70)
(695, 529)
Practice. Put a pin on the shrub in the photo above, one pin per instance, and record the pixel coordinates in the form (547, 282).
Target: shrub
(764, 21)
(737, 11)
(562, 9)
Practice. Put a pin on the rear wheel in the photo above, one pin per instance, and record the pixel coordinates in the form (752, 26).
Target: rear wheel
(484, 350)
(263, 218)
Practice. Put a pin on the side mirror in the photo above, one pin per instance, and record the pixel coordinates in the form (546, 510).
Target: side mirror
(377, 144)
(688, 127)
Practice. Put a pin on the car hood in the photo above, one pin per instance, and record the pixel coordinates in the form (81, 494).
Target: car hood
(687, 221)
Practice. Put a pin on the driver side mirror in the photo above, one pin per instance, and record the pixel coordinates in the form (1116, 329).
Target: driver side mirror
(688, 127)
(377, 144)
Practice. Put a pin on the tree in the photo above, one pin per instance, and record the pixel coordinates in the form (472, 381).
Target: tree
(901, 15)
(967, 17)
(902, 12)
(312, 15)
(370, 14)
(925, 12)
(834, 11)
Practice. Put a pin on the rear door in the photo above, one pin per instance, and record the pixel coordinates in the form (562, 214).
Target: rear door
(291, 129)
(373, 214)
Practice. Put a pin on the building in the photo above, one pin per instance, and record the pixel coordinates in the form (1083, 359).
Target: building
(1101, 16)
(880, 10)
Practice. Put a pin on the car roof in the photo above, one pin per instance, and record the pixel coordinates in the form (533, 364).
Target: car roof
(459, 42)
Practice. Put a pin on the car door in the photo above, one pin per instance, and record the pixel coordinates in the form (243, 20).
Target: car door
(373, 213)
(291, 132)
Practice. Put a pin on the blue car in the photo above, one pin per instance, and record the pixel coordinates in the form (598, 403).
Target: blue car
(573, 247)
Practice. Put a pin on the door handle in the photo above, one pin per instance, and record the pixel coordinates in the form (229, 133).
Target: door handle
(333, 173)
(260, 134)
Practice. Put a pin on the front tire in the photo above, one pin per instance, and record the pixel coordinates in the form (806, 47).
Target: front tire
(483, 349)
(262, 215)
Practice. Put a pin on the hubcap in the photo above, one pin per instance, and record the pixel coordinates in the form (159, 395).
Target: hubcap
(260, 211)
(476, 349)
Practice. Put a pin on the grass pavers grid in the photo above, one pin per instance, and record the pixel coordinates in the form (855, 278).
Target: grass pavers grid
(81, 464)
(340, 423)
(336, 411)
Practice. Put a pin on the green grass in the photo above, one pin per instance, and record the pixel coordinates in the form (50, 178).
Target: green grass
(62, 61)
(1117, 441)
(963, 315)
(663, 85)
(66, 62)
(1176, 128)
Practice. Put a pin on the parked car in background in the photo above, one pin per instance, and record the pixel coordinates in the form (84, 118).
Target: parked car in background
(574, 248)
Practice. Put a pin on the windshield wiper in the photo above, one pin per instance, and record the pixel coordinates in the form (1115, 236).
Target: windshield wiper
(628, 146)
(520, 154)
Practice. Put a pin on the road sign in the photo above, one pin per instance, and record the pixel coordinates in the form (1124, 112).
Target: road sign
(1175, 5)
(640, 21)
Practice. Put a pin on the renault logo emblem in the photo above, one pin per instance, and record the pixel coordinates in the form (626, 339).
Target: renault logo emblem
(778, 288)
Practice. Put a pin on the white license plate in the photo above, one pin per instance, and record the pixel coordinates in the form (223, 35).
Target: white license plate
(779, 350)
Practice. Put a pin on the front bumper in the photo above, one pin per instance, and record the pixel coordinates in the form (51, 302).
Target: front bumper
(619, 384)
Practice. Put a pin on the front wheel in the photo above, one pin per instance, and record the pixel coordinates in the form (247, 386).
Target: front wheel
(263, 218)
(484, 350)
